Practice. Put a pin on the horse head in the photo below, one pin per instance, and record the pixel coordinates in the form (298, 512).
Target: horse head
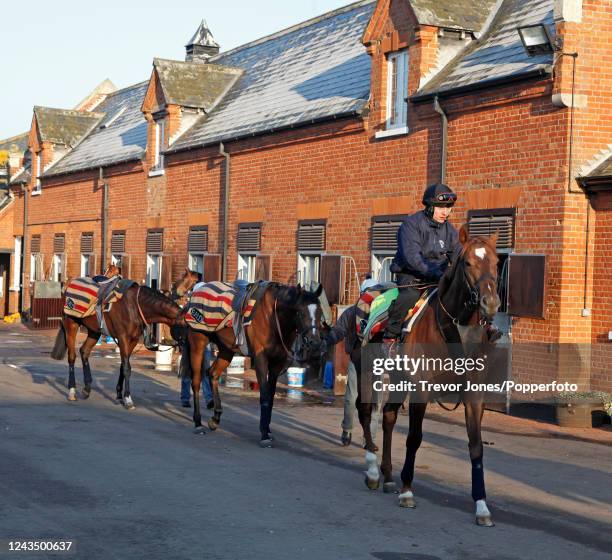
(305, 307)
(112, 271)
(185, 283)
(477, 263)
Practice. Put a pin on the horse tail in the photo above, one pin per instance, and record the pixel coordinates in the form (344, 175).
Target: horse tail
(60, 347)
(185, 363)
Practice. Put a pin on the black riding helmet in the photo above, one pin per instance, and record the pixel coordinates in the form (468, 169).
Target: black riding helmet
(438, 194)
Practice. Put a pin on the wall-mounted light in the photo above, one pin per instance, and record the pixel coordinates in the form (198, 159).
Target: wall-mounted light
(536, 40)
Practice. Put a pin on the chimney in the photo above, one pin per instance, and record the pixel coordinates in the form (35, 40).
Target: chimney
(202, 45)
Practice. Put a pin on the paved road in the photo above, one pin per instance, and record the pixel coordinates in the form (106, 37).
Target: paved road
(141, 485)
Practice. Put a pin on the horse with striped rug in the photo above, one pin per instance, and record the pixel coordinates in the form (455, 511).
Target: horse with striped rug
(277, 314)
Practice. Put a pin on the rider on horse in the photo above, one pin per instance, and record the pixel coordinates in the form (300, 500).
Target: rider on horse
(426, 242)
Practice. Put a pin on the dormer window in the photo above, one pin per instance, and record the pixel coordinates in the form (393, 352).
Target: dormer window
(397, 90)
(38, 186)
(158, 147)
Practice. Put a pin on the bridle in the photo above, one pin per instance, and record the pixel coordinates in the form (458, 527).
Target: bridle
(300, 334)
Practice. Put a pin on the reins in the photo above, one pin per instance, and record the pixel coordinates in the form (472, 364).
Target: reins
(292, 355)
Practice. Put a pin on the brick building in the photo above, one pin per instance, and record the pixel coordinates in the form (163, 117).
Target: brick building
(296, 156)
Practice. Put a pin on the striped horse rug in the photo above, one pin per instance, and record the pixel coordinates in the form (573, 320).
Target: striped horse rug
(210, 307)
(82, 295)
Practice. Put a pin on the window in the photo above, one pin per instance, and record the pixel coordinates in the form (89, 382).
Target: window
(311, 244)
(155, 248)
(38, 186)
(58, 272)
(35, 259)
(16, 283)
(249, 245)
(118, 256)
(197, 246)
(397, 89)
(383, 243)
(88, 264)
(158, 157)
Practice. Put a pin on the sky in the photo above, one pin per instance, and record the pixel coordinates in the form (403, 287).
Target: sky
(55, 52)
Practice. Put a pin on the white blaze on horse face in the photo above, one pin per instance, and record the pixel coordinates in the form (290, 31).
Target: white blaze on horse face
(480, 252)
(312, 310)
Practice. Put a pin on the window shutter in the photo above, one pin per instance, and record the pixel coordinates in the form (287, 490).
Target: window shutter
(384, 234)
(249, 238)
(87, 242)
(212, 268)
(526, 285)
(35, 244)
(263, 267)
(155, 241)
(118, 242)
(311, 237)
(59, 243)
(198, 239)
(483, 224)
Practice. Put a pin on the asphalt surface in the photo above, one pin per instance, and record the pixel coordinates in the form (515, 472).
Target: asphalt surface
(140, 484)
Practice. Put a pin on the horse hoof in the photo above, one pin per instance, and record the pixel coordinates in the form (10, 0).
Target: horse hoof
(389, 487)
(129, 403)
(213, 424)
(372, 483)
(406, 500)
(72, 396)
(199, 430)
(266, 443)
(484, 521)
(86, 392)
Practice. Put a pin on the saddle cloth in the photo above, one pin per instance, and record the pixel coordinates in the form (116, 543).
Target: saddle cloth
(211, 306)
(83, 295)
(373, 311)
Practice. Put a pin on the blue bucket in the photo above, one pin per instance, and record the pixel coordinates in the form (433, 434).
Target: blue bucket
(328, 376)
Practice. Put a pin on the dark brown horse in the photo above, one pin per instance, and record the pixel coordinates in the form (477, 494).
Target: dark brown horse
(126, 321)
(466, 296)
(282, 314)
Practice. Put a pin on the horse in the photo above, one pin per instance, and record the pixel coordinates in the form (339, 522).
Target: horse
(183, 286)
(466, 296)
(126, 321)
(282, 314)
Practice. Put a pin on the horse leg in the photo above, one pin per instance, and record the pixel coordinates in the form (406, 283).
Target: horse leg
(265, 399)
(416, 413)
(71, 328)
(223, 360)
(275, 371)
(85, 351)
(197, 346)
(473, 421)
(119, 386)
(389, 419)
(127, 347)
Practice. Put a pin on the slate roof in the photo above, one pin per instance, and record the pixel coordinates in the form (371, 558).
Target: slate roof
(64, 126)
(17, 143)
(315, 70)
(22, 177)
(194, 84)
(469, 15)
(499, 53)
(124, 140)
(603, 170)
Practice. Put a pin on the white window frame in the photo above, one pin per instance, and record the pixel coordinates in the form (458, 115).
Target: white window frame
(150, 258)
(38, 186)
(158, 156)
(309, 269)
(397, 107)
(16, 283)
(86, 261)
(58, 267)
(196, 262)
(246, 266)
(380, 264)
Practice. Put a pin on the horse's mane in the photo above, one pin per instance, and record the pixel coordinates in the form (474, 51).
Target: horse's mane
(151, 296)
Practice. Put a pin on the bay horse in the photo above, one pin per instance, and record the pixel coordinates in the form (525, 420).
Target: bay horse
(466, 296)
(126, 322)
(281, 315)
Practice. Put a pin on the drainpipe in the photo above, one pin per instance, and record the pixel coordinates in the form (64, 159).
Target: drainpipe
(226, 193)
(104, 220)
(24, 243)
(444, 118)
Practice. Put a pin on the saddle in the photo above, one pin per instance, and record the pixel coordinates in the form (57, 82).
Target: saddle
(244, 294)
(110, 291)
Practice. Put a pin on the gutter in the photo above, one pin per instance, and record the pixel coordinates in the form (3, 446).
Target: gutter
(104, 220)
(542, 71)
(438, 109)
(226, 193)
(26, 198)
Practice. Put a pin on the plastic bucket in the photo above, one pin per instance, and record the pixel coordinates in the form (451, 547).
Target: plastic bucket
(163, 358)
(236, 366)
(295, 376)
